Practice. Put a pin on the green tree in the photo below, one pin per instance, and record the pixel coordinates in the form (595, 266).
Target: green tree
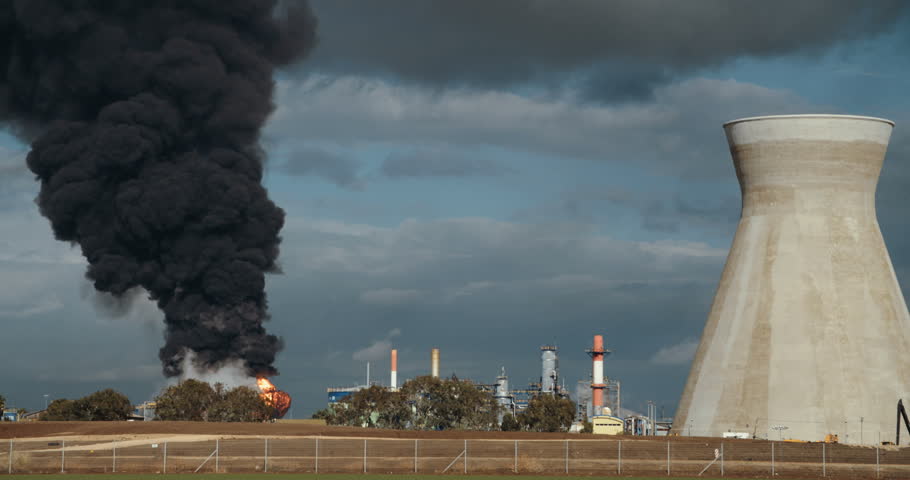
(588, 427)
(424, 394)
(439, 404)
(397, 413)
(548, 413)
(2, 403)
(325, 414)
(510, 424)
(60, 410)
(103, 405)
(189, 400)
(376, 407)
(241, 404)
(424, 403)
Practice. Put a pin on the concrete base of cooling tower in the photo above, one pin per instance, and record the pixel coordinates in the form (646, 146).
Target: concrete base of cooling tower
(800, 340)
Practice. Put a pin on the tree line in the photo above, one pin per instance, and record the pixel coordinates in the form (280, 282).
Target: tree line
(103, 405)
(429, 403)
(189, 400)
(195, 401)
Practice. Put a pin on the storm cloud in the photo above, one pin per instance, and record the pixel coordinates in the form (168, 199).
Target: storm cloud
(611, 49)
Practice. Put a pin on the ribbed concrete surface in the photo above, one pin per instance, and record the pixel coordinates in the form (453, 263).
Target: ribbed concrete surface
(809, 329)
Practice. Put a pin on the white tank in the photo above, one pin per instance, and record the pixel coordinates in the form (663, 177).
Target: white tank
(809, 331)
(549, 374)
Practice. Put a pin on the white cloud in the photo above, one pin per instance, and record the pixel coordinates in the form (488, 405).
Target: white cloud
(468, 289)
(677, 121)
(670, 248)
(679, 354)
(120, 373)
(28, 239)
(390, 296)
(43, 305)
(463, 247)
(378, 349)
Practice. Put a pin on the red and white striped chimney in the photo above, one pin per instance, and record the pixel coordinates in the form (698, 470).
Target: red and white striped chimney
(394, 380)
(597, 374)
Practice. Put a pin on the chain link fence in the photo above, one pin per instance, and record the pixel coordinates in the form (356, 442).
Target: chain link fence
(636, 457)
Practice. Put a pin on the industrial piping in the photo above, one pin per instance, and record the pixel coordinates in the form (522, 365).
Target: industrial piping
(434, 363)
(394, 371)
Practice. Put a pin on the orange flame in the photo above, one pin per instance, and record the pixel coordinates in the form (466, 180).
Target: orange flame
(265, 385)
(278, 400)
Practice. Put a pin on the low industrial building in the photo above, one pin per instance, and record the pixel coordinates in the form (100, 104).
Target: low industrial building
(607, 425)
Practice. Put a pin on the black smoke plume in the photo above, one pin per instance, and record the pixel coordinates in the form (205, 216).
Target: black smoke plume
(144, 119)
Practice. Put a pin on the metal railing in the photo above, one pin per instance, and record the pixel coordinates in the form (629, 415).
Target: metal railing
(594, 456)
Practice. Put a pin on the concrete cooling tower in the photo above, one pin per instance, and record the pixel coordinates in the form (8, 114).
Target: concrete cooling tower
(809, 333)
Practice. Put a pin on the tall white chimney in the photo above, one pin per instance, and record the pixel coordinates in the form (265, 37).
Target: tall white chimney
(434, 363)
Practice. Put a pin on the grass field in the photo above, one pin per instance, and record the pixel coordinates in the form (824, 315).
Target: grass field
(262, 476)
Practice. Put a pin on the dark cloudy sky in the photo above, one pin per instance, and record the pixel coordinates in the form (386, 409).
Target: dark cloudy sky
(487, 177)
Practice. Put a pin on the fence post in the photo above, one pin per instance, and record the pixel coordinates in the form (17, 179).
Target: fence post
(10, 466)
(877, 465)
(772, 459)
(265, 467)
(316, 468)
(668, 458)
(619, 457)
(824, 466)
(415, 454)
(217, 452)
(164, 467)
(114, 457)
(466, 456)
(721, 459)
(364, 455)
(567, 457)
(516, 456)
(62, 455)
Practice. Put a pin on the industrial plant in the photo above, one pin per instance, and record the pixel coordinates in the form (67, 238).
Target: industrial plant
(808, 333)
(598, 398)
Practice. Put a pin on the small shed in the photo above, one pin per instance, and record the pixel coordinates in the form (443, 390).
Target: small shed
(607, 425)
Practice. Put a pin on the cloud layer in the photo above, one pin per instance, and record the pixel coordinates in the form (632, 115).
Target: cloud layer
(612, 50)
(679, 131)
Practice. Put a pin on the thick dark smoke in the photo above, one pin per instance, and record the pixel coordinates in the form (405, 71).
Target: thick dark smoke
(144, 118)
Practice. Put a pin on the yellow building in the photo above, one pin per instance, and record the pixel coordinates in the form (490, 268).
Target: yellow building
(607, 425)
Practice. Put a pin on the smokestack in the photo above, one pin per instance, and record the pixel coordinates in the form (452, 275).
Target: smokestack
(597, 353)
(394, 380)
(434, 363)
(808, 312)
(145, 137)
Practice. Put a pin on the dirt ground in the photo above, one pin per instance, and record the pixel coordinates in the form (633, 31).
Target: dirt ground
(293, 447)
(290, 429)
